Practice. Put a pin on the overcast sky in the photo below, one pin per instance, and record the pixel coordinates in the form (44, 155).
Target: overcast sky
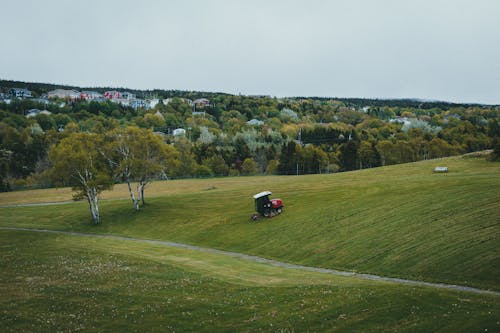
(430, 49)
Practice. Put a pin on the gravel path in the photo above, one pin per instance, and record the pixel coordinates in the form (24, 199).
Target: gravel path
(269, 261)
(38, 204)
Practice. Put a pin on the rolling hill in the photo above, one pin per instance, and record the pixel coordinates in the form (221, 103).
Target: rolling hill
(400, 221)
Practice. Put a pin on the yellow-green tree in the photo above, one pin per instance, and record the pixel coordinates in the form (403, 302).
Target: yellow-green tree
(139, 155)
(249, 167)
(78, 161)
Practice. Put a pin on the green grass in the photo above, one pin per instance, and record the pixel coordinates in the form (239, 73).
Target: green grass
(60, 283)
(401, 221)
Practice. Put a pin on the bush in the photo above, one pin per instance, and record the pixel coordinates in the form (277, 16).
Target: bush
(203, 171)
(249, 167)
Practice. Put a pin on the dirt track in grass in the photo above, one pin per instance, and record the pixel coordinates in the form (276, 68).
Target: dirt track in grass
(270, 261)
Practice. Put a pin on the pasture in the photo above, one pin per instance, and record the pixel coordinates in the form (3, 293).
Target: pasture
(399, 221)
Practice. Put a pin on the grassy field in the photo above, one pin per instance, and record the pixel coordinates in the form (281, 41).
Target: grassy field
(400, 221)
(57, 283)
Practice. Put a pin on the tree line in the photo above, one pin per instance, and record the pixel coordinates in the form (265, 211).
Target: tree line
(291, 136)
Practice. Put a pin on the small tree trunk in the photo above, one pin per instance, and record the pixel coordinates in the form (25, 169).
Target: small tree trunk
(135, 201)
(140, 191)
(93, 205)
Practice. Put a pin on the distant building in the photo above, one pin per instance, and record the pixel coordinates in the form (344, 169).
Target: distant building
(201, 102)
(401, 120)
(255, 122)
(153, 103)
(179, 132)
(64, 94)
(128, 95)
(20, 93)
(139, 103)
(122, 101)
(90, 95)
(35, 112)
(113, 94)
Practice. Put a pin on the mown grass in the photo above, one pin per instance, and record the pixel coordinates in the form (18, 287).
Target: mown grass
(56, 283)
(399, 221)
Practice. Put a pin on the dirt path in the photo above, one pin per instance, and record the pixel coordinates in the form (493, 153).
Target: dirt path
(37, 204)
(269, 261)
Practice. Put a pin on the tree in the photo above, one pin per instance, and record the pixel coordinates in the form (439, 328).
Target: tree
(368, 157)
(349, 155)
(139, 155)
(385, 149)
(217, 165)
(78, 162)
(249, 167)
(272, 167)
(186, 165)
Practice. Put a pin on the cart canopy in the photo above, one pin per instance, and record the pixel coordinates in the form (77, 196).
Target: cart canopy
(262, 194)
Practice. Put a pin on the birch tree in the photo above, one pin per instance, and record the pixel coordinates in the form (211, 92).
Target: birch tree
(77, 161)
(139, 156)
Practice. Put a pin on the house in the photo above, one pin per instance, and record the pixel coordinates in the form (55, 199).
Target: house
(139, 103)
(64, 94)
(90, 95)
(401, 120)
(128, 95)
(20, 93)
(113, 94)
(201, 102)
(255, 122)
(35, 112)
(121, 101)
(153, 103)
(179, 132)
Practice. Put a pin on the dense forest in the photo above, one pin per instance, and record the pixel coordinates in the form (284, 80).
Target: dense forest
(241, 135)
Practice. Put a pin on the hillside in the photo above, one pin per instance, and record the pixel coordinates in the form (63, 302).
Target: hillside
(68, 283)
(217, 134)
(401, 221)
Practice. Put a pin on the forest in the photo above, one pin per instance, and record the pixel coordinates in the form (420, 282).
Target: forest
(234, 134)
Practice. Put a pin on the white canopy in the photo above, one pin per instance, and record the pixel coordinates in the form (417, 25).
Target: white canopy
(261, 194)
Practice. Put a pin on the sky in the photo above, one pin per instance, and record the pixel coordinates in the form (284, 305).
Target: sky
(429, 49)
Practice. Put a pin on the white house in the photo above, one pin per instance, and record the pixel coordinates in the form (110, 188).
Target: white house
(153, 103)
(255, 122)
(20, 92)
(179, 132)
(63, 93)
